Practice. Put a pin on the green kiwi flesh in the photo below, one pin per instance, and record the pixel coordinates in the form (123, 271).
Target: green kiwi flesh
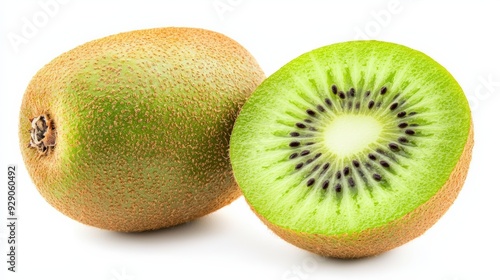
(349, 138)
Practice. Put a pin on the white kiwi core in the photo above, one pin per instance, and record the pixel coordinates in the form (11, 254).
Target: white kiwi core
(350, 134)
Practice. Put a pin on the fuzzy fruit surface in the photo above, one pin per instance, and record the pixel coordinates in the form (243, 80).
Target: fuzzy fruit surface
(142, 122)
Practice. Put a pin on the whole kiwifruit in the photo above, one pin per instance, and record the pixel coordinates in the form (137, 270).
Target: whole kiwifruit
(131, 132)
(353, 149)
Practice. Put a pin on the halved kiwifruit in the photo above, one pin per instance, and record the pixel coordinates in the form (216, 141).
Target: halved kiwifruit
(354, 148)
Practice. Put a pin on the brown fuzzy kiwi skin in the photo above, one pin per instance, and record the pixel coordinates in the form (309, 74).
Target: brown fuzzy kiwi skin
(142, 122)
(371, 242)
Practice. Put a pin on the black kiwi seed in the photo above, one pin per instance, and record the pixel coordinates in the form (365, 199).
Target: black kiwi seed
(372, 156)
(352, 92)
(320, 108)
(294, 155)
(309, 143)
(300, 125)
(316, 167)
(308, 121)
(351, 182)
(341, 95)
(326, 166)
(410, 132)
(305, 152)
(367, 93)
(338, 174)
(299, 165)
(358, 105)
(394, 147)
(328, 102)
(384, 163)
(355, 163)
(394, 106)
(383, 90)
(401, 114)
(371, 104)
(317, 155)
(338, 188)
(294, 144)
(309, 160)
(325, 184)
(310, 182)
(402, 125)
(334, 89)
(412, 113)
(386, 153)
(377, 177)
(402, 140)
(311, 112)
(346, 170)
(294, 134)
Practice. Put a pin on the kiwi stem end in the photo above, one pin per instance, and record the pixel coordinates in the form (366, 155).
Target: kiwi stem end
(43, 134)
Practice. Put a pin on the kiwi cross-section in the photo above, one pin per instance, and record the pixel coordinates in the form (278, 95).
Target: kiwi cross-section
(353, 149)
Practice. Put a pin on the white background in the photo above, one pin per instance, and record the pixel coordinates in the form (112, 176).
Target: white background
(232, 243)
